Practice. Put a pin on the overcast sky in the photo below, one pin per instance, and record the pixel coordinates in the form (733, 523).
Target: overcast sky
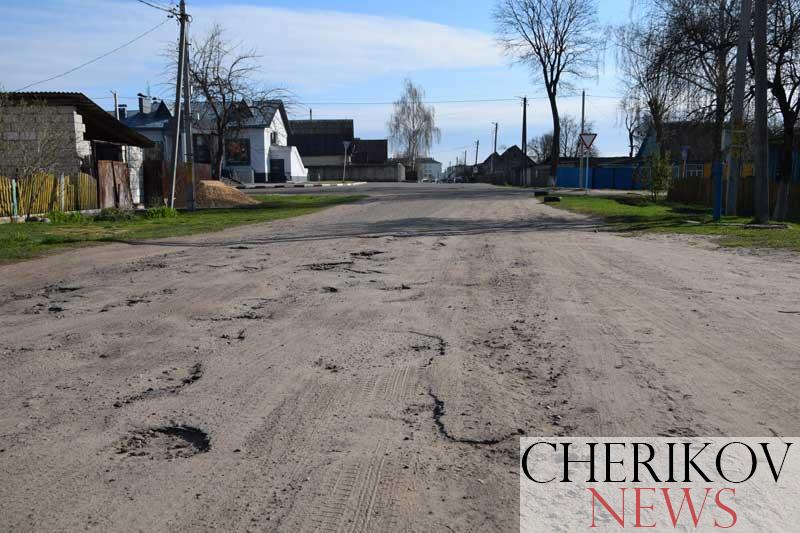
(336, 56)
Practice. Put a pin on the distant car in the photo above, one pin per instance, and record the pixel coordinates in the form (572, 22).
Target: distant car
(425, 180)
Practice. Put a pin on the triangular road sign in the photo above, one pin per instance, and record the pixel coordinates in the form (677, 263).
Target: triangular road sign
(587, 139)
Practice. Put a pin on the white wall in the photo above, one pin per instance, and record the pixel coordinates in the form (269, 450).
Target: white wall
(291, 161)
(280, 128)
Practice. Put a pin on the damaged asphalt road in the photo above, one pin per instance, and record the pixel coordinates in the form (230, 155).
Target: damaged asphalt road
(370, 367)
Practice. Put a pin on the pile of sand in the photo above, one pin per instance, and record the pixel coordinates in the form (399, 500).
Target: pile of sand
(217, 194)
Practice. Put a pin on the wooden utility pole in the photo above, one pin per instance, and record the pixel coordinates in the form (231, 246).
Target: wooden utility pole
(525, 125)
(494, 150)
(187, 118)
(178, 92)
(477, 147)
(761, 141)
(737, 136)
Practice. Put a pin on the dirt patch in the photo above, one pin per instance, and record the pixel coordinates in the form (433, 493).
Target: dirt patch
(214, 194)
(166, 443)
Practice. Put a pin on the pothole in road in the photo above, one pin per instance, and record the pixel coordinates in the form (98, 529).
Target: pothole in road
(367, 254)
(166, 443)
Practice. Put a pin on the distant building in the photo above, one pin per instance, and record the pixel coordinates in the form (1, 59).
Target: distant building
(322, 143)
(429, 168)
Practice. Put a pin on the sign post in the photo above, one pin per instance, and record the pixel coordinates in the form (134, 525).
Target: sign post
(344, 169)
(587, 140)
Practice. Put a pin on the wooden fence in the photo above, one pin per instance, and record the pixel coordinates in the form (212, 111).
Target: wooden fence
(44, 193)
(700, 191)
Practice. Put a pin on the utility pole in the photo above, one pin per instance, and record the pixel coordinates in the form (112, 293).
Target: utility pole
(494, 151)
(187, 117)
(525, 125)
(737, 119)
(581, 171)
(477, 147)
(311, 114)
(761, 183)
(525, 138)
(178, 91)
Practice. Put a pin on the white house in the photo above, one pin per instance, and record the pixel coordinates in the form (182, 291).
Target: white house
(429, 168)
(256, 151)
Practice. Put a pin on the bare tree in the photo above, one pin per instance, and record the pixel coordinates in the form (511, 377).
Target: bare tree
(783, 42)
(541, 147)
(224, 76)
(558, 40)
(412, 126)
(700, 39)
(648, 83)
(34, 139)
(631, 114)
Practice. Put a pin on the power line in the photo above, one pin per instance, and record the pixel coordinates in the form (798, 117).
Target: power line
(96, 59)
(155, 6)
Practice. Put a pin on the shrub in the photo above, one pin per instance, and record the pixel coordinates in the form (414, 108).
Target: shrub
(113, 214)
(161, 212)
(60, 217)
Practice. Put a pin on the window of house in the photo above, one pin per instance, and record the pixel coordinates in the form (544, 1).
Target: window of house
(273, 137)
(237, 152)
(202, 149)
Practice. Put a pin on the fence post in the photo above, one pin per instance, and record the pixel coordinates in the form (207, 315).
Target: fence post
(61, 190)
(14, 204)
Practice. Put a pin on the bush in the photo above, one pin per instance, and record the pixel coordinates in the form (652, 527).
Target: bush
(113, 214)
(161, 212)
(60, 217)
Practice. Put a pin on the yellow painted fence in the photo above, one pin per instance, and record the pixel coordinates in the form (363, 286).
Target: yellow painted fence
(44, 193)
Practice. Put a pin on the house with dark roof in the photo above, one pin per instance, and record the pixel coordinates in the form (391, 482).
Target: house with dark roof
(257, 149)
(327, 146)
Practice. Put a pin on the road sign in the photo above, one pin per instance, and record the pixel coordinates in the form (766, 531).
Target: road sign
(587, 139)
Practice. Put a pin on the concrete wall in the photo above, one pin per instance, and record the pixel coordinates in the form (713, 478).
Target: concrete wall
(61, 129)
(136, 173)
(374, 173)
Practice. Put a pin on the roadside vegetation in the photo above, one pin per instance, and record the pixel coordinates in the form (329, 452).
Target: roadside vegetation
(640, 214)
(27, 240)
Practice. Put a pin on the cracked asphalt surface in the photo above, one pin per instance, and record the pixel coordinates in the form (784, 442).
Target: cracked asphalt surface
(371, 367)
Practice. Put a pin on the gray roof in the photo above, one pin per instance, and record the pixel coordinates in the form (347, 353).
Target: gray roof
(157, 119)
(255, 115)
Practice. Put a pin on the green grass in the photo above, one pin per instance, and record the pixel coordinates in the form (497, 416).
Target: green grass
(637, 214)
(25, 241)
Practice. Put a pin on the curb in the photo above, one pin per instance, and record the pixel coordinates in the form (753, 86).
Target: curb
(301, 186)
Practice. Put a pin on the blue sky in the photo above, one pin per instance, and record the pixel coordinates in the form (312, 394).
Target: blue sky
(346, 53)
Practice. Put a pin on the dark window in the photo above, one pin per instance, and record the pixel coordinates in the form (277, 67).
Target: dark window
(202, 149)
(273, 137)
(237, 152)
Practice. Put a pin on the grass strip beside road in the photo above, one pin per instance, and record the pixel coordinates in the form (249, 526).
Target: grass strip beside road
(25, 241)
(638, 214)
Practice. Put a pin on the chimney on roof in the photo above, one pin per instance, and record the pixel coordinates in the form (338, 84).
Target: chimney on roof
(144, 103)
(122, 110)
